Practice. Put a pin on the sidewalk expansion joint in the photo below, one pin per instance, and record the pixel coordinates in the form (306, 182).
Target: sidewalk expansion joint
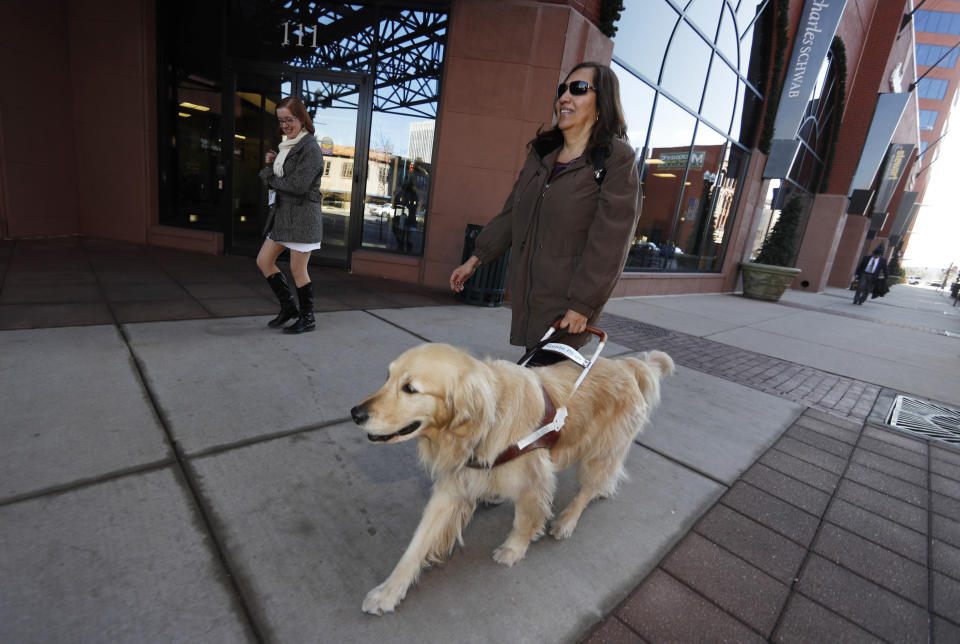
(686, 466)
(79, 484)
(394, 324)
(214, 450)
(183, 468)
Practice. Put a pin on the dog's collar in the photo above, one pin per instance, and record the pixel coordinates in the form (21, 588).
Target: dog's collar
(546, 436)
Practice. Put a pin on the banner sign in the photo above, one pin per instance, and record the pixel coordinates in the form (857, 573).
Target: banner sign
(904, 216)
(886, 117)
(898, 157)
(818, 24)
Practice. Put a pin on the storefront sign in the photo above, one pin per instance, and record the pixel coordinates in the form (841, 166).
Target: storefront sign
(299, 33)
(886, 117)
(898, 156)
(904, 217)
(326, 145)
(679, 159)
(818, 24)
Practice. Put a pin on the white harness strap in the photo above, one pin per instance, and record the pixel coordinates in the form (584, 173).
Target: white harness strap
(577, 357)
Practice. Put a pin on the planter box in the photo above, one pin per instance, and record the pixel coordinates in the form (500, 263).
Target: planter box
(766, 282)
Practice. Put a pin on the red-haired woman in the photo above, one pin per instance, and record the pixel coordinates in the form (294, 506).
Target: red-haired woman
(295, 221)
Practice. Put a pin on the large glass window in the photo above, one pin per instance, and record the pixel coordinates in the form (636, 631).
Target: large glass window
(928, 119)
(664, 178)
(688, 58)
(689, 72)
(643, 33)
(937, 22)
(933, 88)
(927, 55)
(369, 75)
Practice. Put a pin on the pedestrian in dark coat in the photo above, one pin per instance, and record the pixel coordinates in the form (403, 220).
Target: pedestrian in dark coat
(568, 224)
(295, 221)
(870, 269)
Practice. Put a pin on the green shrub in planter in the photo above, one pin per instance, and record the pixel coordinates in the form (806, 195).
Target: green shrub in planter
(769, 275)
(780, 246)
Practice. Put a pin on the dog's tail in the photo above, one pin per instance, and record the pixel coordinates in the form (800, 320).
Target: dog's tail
(650, 367)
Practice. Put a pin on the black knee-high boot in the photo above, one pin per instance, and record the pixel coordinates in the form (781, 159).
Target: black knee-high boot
(288, 306)
(305, 322)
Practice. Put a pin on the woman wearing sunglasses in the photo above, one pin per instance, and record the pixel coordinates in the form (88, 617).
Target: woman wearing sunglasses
(571, 215)
(295, 221)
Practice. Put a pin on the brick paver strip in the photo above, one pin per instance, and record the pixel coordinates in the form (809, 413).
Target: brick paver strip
(807, 621)
(736, 586)
(892, 535)
(835, 394)
(946, 506)
(840, 532)
(946, 529)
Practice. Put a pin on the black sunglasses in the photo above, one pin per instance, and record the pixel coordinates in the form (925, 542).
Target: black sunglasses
(577, 88)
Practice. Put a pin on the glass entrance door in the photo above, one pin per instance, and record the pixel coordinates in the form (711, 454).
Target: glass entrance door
(254, 116)
(334, 107)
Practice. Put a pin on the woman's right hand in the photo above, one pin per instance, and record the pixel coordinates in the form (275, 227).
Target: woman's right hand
(462, 273)
(269, 157)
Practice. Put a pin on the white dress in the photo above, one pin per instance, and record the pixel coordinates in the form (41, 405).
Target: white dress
(297, 246)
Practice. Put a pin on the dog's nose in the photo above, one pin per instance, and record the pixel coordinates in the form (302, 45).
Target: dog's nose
(359, 414)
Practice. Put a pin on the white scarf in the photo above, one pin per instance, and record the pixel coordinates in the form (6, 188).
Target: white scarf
(285, 148)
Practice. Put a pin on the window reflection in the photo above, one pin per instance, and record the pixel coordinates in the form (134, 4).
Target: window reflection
(691, 187)
(665, 165)
(637, 100)
(696, 228)
(398, 183)
(644, 29)
(748, 9)
(776, 194)
(720, 98)
(727, 37)
(195, 149)
(686, 66)
(704, 14)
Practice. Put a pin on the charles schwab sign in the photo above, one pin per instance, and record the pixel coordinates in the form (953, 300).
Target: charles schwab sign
(818, 24)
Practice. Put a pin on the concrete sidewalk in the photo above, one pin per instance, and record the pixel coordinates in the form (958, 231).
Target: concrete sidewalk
(173, 471)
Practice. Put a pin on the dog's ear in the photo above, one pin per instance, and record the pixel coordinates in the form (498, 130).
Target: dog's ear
(472, 402)
(470, 409)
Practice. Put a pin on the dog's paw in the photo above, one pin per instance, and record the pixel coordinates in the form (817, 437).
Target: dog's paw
(508, 555)
(379, 600)
(561, 530)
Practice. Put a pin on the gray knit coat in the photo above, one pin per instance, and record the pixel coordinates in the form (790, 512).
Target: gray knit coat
(295, 216)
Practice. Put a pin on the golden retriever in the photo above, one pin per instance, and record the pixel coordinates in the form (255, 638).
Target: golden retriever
(460, 408)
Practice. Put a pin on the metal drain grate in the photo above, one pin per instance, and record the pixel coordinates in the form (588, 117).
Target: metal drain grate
(926, 419)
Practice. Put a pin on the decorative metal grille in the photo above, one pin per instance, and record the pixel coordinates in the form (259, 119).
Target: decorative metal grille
(402, 48)
(926, 419)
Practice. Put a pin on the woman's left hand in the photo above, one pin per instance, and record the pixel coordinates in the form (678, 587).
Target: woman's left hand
(574, 322)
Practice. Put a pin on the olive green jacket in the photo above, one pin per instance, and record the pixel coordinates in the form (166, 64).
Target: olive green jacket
(568, 239)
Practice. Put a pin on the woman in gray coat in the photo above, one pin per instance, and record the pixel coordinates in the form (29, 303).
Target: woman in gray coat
(570, 218)
(295, 221)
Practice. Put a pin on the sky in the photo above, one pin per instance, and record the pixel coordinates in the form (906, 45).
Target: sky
(935, 241)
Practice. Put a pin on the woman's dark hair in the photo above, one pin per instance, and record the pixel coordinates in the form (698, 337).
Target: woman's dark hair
(610, 123)
(299, 111)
